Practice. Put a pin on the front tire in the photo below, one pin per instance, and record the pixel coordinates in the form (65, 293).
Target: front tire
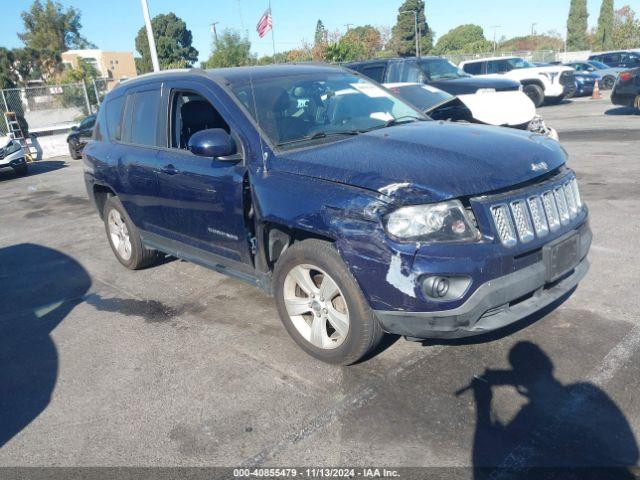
(535, 93)
(321, 305)
(73, 152)
(124, 238)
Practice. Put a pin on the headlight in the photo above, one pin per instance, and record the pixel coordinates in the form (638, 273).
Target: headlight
(550, 75)
(12, 147)
(438, 222)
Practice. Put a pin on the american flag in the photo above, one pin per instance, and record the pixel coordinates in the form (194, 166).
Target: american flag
(264, 24)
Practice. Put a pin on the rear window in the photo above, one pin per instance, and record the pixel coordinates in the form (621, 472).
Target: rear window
(374, 72)
(143, 110)
(114, 118)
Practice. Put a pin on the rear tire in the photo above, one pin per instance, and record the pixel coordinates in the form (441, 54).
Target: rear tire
(357, 331)
(607, 82)
(124, 238)
(535, 93)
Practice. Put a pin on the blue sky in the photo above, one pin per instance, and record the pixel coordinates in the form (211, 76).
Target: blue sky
(112, 24)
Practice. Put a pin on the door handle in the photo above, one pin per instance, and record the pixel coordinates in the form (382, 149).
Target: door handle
(169, 170)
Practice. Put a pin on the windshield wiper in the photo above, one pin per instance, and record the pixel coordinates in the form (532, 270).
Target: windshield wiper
(319, 135)
(397, 121)
(403, 119)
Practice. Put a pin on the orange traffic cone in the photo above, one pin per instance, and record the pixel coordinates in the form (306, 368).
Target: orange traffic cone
(596, 92)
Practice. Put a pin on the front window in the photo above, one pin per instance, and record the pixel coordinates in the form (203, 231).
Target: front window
(320, 107)
(598, 65)
(436, 69)
(517, 63)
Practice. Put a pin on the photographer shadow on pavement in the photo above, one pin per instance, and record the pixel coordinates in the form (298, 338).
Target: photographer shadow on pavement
(562, 431)
(40, 287)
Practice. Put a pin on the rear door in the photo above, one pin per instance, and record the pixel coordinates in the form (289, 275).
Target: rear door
(138, 160)
(203, 198)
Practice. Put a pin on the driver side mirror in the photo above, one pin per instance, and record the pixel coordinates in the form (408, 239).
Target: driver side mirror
(212, 142)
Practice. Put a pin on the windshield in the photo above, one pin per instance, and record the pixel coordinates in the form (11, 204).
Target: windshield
(320, 107)
(440, 69)
(517, 63)
(424, 97)
(598, 65)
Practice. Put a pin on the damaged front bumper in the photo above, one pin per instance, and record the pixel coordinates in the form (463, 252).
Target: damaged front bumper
(495, 304)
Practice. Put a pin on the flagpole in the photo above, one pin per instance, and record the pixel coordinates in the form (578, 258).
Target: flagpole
(273, 40)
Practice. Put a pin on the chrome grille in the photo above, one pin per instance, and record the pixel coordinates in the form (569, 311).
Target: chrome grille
(525, 219)
(523, 224)
(563, 209)
(571, 200)
(576, 193)
(551, 210)
(538, 216)
(503, 222)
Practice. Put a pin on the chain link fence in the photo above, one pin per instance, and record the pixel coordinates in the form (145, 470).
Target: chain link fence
(51, 107)
(542, 56)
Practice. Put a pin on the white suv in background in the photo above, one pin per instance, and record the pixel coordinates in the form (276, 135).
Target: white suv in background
(550, 84)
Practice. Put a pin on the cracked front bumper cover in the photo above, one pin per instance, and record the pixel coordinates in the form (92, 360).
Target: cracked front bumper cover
(494, 305)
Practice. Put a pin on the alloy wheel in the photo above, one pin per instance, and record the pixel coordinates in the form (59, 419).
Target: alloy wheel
(119, 234)
(316, 306)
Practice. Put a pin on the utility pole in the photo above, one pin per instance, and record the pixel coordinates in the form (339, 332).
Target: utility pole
(215, 33)
(152, 42)
(495, 43)
(415, 17)
(533, 29)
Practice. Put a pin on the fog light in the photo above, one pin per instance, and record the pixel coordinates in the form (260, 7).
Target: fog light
(436, 287)
(445, 287)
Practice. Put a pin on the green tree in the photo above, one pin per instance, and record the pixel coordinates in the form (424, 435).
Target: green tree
(626, 29)
(577, 26)
(321, 33)
(464, 38)
(27, 63)
(344, 50)
(549, 41)
(173, 43)
(8, 78)
(231, 50)
(83, 71)
(368, 39)
(403, 34)
(604, 35)
(50, 30)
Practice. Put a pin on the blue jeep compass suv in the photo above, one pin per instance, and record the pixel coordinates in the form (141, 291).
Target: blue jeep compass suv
(358, 213)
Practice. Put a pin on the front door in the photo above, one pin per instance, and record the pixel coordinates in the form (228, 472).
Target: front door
(203, 197)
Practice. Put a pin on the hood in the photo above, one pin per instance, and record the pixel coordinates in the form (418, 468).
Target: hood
(470, 85)
(429, 161)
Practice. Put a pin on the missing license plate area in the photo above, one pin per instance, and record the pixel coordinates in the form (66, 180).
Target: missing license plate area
(561, 257)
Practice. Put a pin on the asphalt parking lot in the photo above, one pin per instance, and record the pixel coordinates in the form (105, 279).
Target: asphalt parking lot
(178, 365)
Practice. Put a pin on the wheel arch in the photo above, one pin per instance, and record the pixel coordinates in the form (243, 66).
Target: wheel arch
(532, 81)
(100, 195)
(277, 237)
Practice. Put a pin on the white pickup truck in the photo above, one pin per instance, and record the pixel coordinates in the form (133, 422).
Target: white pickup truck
(542, 84)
